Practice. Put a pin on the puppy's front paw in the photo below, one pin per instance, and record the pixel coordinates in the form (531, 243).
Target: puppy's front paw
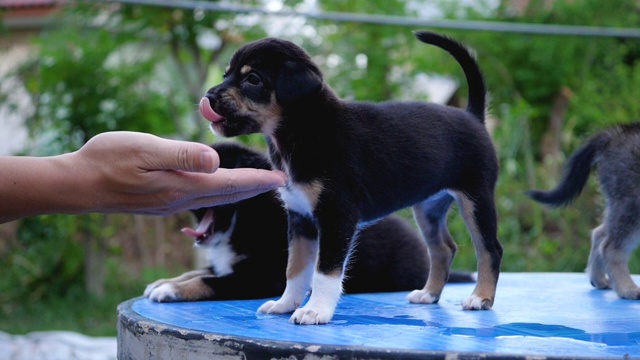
(632, 293)
(311, 316)
(600, 282)
(164, 293)
(277, 307)
(474, 302)
(152, 286)
(422, 297)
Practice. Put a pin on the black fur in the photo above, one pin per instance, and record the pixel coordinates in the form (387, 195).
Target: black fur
(352, 163)
(260, 237)
(576, 173)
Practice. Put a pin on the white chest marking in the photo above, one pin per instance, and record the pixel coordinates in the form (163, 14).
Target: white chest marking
(221, 254)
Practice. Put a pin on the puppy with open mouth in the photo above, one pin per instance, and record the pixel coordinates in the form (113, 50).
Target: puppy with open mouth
(351, 163)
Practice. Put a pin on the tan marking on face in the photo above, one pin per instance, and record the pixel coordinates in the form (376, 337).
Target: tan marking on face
(245, 70)
(272, 115)
(303, 253)
(226, 70)
(268, 116)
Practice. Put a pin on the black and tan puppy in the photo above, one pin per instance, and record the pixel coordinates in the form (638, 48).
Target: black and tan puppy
(616, 153)
(247, 249)
(352, 163)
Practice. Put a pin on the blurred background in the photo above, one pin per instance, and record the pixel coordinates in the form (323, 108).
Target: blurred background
(557, 71)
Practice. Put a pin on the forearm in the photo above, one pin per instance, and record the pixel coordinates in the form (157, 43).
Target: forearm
(126, 172)
(32, 186)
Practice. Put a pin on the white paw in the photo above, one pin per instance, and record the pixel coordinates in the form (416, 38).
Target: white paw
(474, 302)
(150, 287)
(312, 315)
(422, 297)
(164, 293)
(281, 306)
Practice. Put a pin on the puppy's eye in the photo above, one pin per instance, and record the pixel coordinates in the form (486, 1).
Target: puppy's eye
(253, 79)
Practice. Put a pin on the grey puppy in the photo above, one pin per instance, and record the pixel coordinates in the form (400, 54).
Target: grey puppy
(616, 152)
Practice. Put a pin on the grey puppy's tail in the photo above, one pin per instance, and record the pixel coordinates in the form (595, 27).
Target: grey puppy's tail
(576, 173)
(475, 80)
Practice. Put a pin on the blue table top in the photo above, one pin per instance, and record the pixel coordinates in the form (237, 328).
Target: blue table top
(548, 314)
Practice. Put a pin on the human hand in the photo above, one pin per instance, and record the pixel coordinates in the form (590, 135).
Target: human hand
(142, 173)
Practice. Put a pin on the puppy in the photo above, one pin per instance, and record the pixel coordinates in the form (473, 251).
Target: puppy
(247, 244)
(352, 163)
(616, 152)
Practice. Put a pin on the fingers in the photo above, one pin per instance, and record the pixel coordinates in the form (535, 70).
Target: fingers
(184, 156)
(230, 181)
(231, 184)
(225, 186)
(217, 200)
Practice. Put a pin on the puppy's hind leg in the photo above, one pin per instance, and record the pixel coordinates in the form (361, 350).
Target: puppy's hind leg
(623, 233)
(596, 267)
(479, 214)
(303, 254)
(431, 217)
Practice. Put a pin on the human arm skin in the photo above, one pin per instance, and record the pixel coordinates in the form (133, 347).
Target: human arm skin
(125, 172)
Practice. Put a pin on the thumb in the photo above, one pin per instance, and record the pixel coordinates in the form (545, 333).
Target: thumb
(187, 156)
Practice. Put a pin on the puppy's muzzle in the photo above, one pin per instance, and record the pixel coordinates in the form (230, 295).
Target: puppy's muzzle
(207, 111)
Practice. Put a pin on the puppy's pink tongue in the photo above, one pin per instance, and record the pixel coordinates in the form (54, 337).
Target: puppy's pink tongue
(203, 226)
(191, 232)
(207, 111)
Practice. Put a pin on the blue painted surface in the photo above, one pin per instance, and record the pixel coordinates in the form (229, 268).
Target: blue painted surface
(557, 314)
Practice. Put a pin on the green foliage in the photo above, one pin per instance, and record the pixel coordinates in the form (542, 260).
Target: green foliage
(85, 83)
(45, 262)
(536, 67)
(144, 68)
(372, 45)
(76, 310)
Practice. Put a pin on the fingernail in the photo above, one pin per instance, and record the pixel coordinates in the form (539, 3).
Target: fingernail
(209, 161)
(284, 176)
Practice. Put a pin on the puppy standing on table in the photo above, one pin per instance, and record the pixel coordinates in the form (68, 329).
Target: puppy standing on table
(616, 153)
(351, 163)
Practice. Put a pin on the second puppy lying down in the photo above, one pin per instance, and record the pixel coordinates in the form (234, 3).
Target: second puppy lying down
(247, 244)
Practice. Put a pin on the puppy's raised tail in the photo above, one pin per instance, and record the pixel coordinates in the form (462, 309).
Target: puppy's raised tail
(475, 80)
(576, 173)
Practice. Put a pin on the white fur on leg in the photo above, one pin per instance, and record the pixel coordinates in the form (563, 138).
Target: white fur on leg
(325, 295)
(422, 297)
(152, 286)
(474, 302)
(166, 292)
(294, 294)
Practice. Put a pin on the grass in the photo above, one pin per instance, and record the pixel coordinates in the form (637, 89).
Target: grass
(75, 309)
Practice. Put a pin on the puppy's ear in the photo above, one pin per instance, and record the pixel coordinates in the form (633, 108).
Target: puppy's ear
(296, 82)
